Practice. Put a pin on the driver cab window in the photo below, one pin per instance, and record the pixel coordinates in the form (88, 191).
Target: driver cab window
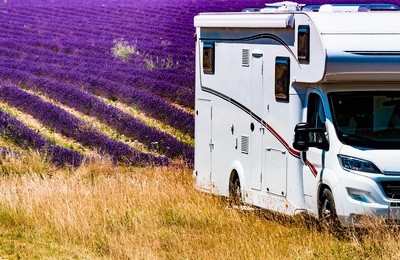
(315, 112)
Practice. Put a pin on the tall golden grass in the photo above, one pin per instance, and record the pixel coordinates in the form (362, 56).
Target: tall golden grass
(106, 211)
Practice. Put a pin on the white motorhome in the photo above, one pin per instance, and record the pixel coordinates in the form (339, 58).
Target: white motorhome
(298, 109)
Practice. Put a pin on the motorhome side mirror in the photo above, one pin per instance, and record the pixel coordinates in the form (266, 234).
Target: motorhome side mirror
(301, 137)
(305, 137)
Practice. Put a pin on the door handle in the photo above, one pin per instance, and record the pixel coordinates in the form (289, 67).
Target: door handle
(269, 149)
(211, 146)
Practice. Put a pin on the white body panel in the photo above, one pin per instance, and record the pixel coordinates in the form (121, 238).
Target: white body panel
(244, 130)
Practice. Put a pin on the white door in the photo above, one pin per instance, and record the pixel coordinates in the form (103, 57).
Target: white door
(204, 144)
(277, 117)
(257, 129)
(315, 156)
(275, 168)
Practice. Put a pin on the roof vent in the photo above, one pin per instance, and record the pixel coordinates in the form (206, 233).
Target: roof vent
(285, 6)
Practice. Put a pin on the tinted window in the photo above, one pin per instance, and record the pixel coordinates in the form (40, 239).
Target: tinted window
(208, 58)
(282, 77)
(303, 44)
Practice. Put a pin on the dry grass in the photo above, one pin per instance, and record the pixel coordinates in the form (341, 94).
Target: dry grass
(106, 211)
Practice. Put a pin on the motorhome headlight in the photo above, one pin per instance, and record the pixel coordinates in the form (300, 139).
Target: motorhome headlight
(355, 164)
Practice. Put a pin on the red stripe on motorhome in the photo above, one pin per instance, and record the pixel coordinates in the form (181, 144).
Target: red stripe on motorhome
(292, 151)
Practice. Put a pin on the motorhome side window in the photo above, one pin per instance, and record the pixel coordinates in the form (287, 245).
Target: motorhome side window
(315, 112)
(282, 76)
(303, 44)
(208, 57)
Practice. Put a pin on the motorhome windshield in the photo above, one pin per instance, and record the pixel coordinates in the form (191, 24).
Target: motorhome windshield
(367, 119)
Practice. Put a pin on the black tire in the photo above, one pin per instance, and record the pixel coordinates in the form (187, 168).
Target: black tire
(235, 192)
(327, 211)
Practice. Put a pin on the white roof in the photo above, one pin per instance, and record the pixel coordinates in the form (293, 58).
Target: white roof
(354, 46)
(245, 20)
(361, 46)
(357, 23)
(342, 22)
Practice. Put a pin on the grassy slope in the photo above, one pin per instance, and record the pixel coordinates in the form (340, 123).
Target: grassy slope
(105, 211)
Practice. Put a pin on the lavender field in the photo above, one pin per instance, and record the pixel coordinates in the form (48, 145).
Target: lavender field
(90, 56)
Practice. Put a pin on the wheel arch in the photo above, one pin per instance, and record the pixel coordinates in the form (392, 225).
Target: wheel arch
(336, 198)
(331, 181)
(321, 188)
(237, 171)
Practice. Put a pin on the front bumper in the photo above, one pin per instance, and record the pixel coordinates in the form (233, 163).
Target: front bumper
(363, 201)
(387, 216)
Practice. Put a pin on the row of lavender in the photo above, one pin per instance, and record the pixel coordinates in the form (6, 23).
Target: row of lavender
(63, 122)
(91, 105)
(65, 52)
(32, 77)
(25, 137)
